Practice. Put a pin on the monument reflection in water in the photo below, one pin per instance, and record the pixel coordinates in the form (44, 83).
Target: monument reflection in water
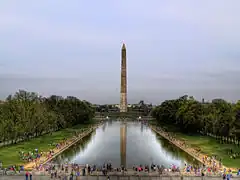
(123, 144)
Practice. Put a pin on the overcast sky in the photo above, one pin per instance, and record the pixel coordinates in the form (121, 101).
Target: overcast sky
(174, 47)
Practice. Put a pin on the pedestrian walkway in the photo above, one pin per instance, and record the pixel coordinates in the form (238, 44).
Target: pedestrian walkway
(181, 145)
(121, 178)
(57, 151)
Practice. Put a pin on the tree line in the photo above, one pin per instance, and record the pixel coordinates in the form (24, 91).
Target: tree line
(25, 115)
(141, 107)
(218, 118)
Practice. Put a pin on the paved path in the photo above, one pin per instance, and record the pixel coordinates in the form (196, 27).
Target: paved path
(188, 150)
(71, 142)
(119, 178)
(129, 172)
(129, 175)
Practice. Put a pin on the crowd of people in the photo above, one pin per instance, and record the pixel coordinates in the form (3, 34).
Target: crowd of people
(35, 157)
(55, 170)
(76, 170)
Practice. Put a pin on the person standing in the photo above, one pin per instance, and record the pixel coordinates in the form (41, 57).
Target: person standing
(78, 175)
(30, 176)
(229, 175)
(26, 175)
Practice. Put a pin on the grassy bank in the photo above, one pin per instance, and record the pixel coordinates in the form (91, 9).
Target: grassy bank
(209, 146)
(9, 155)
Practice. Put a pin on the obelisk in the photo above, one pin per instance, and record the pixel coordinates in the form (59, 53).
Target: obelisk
(123, 93)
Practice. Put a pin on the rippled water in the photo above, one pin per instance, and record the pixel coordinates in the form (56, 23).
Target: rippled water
(126, 144)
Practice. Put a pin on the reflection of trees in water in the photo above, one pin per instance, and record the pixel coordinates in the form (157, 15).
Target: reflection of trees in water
(175, 152)
(74, 150)
(141, 127)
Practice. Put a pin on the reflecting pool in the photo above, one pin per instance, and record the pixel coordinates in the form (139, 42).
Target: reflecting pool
(127, 144)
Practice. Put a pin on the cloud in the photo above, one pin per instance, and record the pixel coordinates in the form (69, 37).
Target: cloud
(46, 31)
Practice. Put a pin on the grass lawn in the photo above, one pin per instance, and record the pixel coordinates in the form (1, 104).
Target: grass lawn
(9, 155)
(208, 146)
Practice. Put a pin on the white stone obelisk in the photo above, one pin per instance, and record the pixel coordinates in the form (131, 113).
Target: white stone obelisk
(123, 93)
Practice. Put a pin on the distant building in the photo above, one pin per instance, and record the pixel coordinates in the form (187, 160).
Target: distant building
(118, 105)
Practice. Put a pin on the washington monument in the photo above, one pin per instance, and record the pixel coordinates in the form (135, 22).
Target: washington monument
(123, 93)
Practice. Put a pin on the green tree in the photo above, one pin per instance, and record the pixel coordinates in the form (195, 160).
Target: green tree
(219, 118)
(25, 115)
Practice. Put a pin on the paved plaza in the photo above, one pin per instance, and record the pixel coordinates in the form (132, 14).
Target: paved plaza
(118, 178)
(129, 175)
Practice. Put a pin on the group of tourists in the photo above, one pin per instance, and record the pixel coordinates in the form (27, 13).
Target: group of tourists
(77, 170)
(30, 156)
(55, 170)
(208, 171)
(37, 158)
(107, 167)
(72, 170)
(35, 155)
(13, 169)
(157, 168)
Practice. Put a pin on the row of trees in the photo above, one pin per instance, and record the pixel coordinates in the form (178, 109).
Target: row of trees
(218, 118)
(141, 107)
(26, 114)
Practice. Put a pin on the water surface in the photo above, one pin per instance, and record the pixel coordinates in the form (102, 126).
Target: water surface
(125, 144)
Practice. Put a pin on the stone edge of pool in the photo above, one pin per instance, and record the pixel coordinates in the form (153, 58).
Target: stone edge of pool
(183, 149)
